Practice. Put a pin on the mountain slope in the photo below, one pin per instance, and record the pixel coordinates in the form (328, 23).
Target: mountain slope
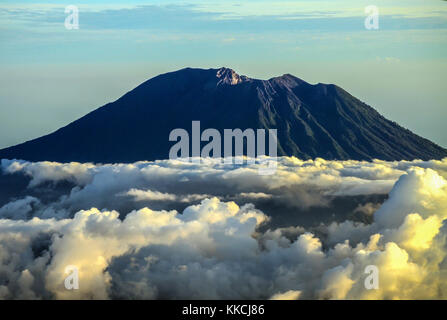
(312, 121)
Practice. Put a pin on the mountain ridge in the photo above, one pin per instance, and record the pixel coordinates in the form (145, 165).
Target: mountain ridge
(313, 120)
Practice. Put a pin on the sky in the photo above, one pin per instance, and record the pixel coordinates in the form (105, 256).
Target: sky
(50, 76)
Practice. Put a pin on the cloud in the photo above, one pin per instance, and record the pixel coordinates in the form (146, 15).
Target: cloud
(368, 208)
(289, 295)
(18, 209)
(218, 248)
(149, 195)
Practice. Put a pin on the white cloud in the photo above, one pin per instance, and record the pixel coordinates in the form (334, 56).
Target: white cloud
(220, 249)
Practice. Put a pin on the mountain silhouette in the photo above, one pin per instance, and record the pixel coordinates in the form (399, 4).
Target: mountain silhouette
(321, 120)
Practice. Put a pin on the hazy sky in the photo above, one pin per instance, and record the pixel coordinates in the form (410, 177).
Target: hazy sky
(50, 76)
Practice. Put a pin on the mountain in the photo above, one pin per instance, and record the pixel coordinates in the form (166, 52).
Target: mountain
(312, 121)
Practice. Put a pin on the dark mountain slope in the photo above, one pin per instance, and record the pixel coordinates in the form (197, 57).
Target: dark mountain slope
(312, 121)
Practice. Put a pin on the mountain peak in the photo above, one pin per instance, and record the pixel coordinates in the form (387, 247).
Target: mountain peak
(229, 76)
(311, 120)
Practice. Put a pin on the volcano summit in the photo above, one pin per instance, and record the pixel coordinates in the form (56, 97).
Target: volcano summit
(321, 120)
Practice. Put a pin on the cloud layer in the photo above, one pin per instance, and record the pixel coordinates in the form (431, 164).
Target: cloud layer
(175, 230)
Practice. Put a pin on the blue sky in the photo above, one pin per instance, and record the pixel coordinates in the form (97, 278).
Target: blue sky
(50, 76)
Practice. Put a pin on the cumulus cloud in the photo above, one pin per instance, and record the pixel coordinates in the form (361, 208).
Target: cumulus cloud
(18, 209)
(367, 208)
(289, 295)
(298, 186)
(218, 245)
(149, 195)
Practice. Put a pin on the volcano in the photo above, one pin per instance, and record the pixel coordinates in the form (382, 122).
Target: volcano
(320, 120)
